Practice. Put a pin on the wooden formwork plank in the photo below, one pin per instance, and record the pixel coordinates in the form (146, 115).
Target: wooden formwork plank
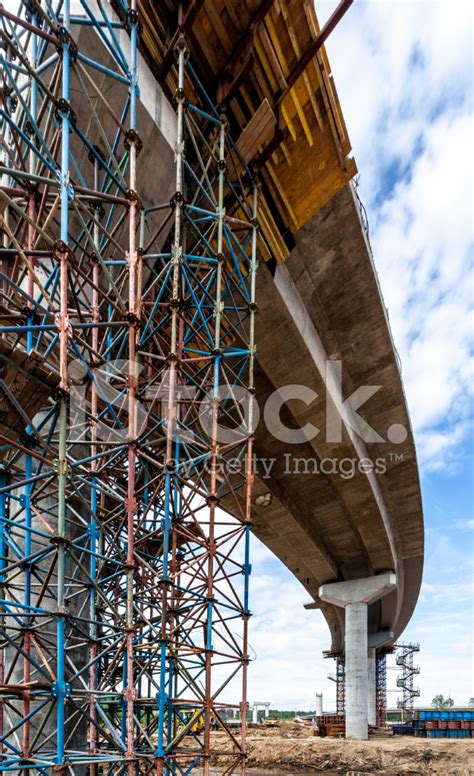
(285, 69)
(209, 42)
(297, 49)
(272, 53)
(281, 191)
(262, 55)
(219, 27)
(271, 232)
(258, 132)
(328, 87)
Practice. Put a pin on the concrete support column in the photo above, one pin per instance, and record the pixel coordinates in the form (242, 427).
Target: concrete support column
(319, 704)
(371, 686)
(356, 670)
(355, 596)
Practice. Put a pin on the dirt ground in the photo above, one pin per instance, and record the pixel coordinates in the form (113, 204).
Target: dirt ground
(275, 750)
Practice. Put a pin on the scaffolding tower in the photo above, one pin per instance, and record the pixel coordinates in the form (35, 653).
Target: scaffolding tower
(126, 401)
(404, 659)
(381, 689)
(340, 685)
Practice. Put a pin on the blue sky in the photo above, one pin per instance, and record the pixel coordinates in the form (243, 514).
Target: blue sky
(403, 71)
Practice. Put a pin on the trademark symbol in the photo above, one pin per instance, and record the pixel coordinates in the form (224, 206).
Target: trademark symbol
(395, 457)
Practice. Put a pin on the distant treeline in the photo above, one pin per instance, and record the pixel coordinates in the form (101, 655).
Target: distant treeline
(275, 714)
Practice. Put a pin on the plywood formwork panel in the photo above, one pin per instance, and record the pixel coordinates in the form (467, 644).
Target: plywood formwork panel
(313, 160)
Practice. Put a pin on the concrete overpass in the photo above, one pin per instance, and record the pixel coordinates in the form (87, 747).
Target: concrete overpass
(319, 301)
(349, 532)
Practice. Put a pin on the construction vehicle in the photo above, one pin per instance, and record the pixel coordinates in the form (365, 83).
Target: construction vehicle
(197, 715)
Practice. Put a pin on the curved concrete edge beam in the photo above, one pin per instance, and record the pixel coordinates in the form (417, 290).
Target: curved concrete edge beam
(351, 591)
(296, 308)
(410, 574)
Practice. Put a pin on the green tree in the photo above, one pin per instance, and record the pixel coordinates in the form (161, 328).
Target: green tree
(440, 702)
(471, 702)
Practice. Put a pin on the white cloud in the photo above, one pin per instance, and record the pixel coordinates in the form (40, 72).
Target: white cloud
(408, 104)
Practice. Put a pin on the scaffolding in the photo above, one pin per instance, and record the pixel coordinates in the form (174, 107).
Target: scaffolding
(381, 689)
(340, 685)
(404, 659)
(126, 386)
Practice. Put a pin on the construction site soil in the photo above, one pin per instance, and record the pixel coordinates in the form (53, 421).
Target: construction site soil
(279, 750)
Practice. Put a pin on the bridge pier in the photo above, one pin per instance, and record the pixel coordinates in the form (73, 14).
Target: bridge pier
(354, 596)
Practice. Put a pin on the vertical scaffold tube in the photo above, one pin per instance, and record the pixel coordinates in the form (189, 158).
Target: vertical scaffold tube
(214, 452)
(133, 293)
(28, 440)
(93, 631)
(249, 473)
(62, 255)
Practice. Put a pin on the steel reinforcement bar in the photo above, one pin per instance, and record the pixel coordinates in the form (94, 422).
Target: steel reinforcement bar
(126, 401)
